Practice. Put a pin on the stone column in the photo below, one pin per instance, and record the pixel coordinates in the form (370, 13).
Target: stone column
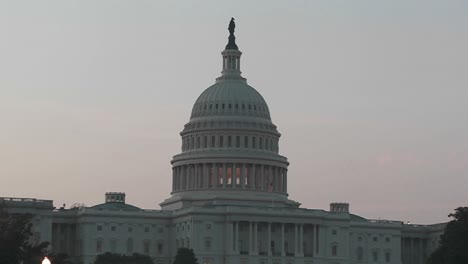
(296, 239)
(255, 244)
(236, 237)
(233, 176)
(230, 237)
(282, 240)
(224, 175)
(242, 180)
(254, 179)
(250, 239)
(271, 179)
(205, 175)
(301, 239)
(262, 174)
(269, 239)
(215, 174)
(285, 180)
(316, 242)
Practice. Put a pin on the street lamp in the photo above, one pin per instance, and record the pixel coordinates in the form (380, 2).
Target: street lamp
(46, 261)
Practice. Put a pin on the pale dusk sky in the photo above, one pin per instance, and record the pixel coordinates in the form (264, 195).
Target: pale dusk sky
(371, 97)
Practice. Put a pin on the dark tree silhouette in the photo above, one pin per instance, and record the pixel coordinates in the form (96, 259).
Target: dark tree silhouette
(185, 256)
(15, 244)
(111, 258)
(453, 247)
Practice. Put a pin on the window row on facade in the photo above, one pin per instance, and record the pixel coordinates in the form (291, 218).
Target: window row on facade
(229, 176)
(128, 246)
(229, 141)
(231, 107)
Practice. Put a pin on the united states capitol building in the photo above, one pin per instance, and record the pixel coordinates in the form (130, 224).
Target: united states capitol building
(229, 200)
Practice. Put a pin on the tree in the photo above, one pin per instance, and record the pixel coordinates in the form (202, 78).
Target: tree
(15, 244)
(453, 247)
(112, 258)
(185, 256)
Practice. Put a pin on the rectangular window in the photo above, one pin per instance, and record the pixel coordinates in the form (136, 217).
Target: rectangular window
(237, 141)
(213, 141)
(375, 256)
(198, 142)
(253, 142)
(260, 143)
(334, 250)
(207, 244)
(246, 142)
(160, 248)
(205, 145)
(229, 141)
(387, 257)
(99, 228)
(266, 143)
(221, 139)
(113, 245)
(146, 247)
(99, 246)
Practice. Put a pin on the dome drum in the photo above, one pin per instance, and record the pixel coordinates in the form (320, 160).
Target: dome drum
(230, 176)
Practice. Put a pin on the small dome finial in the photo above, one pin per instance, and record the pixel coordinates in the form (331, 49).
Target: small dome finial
(232, 39)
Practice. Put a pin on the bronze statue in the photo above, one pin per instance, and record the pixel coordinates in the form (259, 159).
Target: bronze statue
(231, 27)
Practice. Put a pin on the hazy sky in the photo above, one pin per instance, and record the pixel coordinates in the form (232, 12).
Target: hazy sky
(370, 97)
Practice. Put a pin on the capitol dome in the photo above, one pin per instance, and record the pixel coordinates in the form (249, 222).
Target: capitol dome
(230, 147)
(230, 98)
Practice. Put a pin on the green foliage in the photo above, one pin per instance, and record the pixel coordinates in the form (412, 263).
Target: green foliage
(454, 242)
(111, 258)
(185, 256)
(15, 231)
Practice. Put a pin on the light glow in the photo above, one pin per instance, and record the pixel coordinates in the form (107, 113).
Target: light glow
(46, 261)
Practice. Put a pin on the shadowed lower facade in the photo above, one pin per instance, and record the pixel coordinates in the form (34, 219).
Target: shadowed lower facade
(229, 200)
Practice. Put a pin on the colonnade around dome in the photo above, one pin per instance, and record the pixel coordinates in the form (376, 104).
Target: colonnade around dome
(245, 176)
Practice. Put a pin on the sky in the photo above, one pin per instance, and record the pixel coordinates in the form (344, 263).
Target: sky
(370, 97)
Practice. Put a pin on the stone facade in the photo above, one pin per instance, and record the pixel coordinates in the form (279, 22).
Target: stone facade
(229, 201)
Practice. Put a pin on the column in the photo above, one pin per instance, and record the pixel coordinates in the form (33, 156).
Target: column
(224, 175)
(187, 177)
(255, 244)
(301, 239)
(236, 237)
(421, 257)
(250, 239)
(285, 180)
(215, 175)
(233, 176)
(262, 176)
(316, 233)
(282, 240)
(242, 176)
(277, 180)
(271, 180)
(296, 250)
(268, 244)
(205, 175)
(254, 183)
(230, 237)
(173, 179)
